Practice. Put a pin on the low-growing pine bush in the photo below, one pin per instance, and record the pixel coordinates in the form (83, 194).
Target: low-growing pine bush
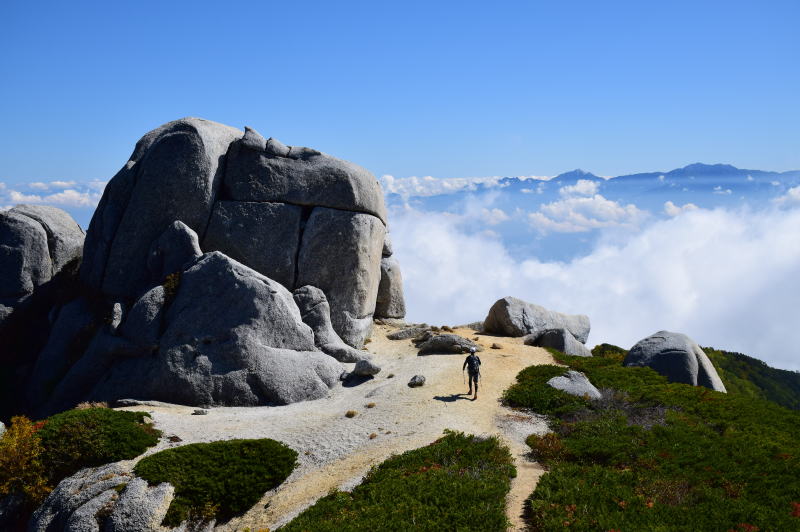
(217, 480)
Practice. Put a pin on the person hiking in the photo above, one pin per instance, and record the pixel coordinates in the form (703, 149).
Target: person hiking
(473, 365)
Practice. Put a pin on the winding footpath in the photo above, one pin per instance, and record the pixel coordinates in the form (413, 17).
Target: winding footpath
(335, 452)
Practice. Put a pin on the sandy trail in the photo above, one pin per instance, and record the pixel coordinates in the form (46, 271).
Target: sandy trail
(335, 452)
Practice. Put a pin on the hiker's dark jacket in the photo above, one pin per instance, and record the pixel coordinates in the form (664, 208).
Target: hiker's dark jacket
(473, 364)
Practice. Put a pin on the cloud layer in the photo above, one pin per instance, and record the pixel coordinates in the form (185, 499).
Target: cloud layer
(727, 278)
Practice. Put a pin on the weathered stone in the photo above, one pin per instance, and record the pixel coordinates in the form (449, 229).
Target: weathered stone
(140, 507)
(142, 325)
(575, 383)
(315, 312)
(24, 256)
(76, 491)
(301, 177)
(559, 339)
(447, 343)
(416, 381)
(263, 236)
(340, 254)
(408, 332)
(173, 174)
(64, 235)
(252, 139)
(390, 302)
(366, 368)
(513, 317)
(177, 246)
(387, 246)
(677, 357)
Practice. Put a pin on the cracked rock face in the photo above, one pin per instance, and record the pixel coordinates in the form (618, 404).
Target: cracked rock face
(295, 215)
(36, 242)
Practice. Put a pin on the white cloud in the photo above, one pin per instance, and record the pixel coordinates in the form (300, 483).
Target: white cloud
(65, 198)
(670, 209)
(726, 278)
(750, 178)
(538, 190)
(62, 184)
(432, 186)
(38, 185)
(584, 187)
(494, 216)
(579, 214)
(722, 191)
(661, 178)
(19, 197)
(791, 198)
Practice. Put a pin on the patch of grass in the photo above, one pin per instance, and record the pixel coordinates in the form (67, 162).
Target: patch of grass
(458, 482)
(350, 413)
(218, 480)
(22, 471)
(657, 456)
(92, 436)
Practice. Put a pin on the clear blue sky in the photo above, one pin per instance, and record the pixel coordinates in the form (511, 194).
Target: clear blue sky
(408, 88)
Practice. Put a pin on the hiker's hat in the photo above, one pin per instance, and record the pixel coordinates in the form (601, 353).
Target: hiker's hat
(472, 349)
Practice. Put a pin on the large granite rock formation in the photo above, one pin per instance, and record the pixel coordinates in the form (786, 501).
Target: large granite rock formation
(514, 317)
(677, 357)
(295, 215)
(222, 334)
(36, 242)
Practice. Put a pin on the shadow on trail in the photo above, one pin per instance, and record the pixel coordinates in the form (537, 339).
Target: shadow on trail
(452, 398)
(355, 380)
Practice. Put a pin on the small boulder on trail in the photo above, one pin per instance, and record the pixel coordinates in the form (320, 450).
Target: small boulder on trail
(416, 381)
(677, 357)
(429, 343)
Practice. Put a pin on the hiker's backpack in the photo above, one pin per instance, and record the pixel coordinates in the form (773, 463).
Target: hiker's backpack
(473, 364)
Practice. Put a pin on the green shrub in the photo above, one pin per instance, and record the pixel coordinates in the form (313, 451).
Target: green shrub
(218, 480)
(457, 483)
(90, 437)
(660, 456)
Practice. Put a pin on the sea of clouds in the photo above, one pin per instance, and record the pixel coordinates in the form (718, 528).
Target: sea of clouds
(729, 278)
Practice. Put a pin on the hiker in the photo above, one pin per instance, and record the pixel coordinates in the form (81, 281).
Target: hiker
(473, 365)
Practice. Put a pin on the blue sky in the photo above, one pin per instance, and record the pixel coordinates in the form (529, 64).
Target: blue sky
(461, 90)
(408, 88)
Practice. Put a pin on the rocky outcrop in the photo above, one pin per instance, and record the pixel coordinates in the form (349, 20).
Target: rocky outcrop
(295, 215)
(559, 339)
(513, 317)
(677, 357)
(108, 498)
(575, 383)
(36, 242)
(223, 335)
(174, 174)
(390, 302)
